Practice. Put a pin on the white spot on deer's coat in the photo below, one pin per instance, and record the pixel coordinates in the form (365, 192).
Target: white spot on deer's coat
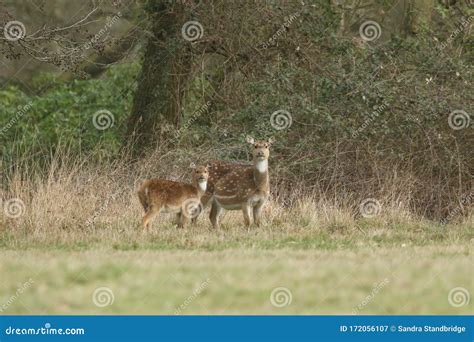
(223, 197)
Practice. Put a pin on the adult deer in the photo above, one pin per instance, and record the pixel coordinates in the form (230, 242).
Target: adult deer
(244, 188)
(217, 170)
(169, 196)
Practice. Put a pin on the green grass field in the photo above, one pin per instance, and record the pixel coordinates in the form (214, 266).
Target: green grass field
(363, 267)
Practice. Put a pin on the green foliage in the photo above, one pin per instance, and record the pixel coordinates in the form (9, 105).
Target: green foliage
(359, 109)
(64, 113)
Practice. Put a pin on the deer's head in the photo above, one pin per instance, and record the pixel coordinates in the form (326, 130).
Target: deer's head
(261, 149)
(200, 174)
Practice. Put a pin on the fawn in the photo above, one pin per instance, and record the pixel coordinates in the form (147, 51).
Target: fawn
(169, 196)
(244, 188)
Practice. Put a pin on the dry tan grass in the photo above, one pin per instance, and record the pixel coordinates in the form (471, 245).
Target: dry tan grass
(74, 202)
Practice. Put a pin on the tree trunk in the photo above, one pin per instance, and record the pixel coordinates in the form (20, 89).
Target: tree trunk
(164, 75)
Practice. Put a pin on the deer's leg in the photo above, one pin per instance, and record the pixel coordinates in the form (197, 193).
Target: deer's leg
(246, 211)
(194, 218)
(216, 210)
(204, 201)
(152, 211)
(257, 212)
(182, 220)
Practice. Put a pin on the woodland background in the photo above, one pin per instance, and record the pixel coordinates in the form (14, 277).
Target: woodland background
(368, 118)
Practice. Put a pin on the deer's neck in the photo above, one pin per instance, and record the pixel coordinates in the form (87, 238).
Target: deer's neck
(200, 188)
(260, 174)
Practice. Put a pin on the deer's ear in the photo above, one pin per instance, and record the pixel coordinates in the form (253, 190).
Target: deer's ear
(250, 140)
(271, 141)
(208, 166)
(192, 166)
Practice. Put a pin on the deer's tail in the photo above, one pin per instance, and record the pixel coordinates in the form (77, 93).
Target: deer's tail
(143, 195)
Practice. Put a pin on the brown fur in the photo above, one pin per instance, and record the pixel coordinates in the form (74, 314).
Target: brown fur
(217, 170)
(244, 188)
(161, 194)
